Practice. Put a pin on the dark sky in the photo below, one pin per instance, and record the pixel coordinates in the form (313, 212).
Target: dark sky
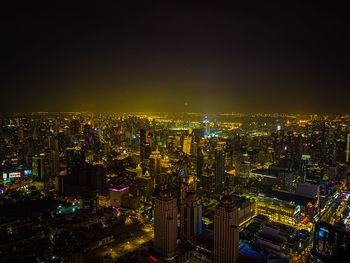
(108, 57)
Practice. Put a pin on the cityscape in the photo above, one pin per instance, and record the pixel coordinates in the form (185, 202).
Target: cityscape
(181, 135)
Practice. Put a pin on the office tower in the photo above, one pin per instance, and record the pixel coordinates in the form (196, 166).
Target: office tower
(75, 127)
(38, 167)
(35, 134)
(219, 168)
(155, 168)
(165, 224)
(187, 145)
(226, 231)
(142, 144)
(199, 165)
(74, 160)
(87, 133)
(144, 186)
(138, 170)
(286, 180)
(206, 125)
(191, 215)
(348, 148)
(51, 162)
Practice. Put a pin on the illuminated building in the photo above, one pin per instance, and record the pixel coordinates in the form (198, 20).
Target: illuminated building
(165, 171)
(87, 133)
(206, 125)
(138, 170)
(219, 168)
(286, 180)
(142, 144)
(165, 224)
(284, 208)
(226, 231)
(144, 185)
(75, 127)
(191, 215)
(116, 196)
(332, 231)
(187, 145)
(74, 160)
(246, 208)
(51, 162)
(155, 169)
(347, 148)
(38, 167)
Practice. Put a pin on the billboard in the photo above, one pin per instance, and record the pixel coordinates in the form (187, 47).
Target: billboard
(27, 172)
(15, 175)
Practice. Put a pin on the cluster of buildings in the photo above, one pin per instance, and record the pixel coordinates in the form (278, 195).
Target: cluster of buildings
(215, 188)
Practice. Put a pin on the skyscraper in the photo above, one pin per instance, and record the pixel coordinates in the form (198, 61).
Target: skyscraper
(226, 231)
(155, 168)
(206, 125)
(191, 215)
(38, 167)
(219, 168)
(165, 224)
(142, 144)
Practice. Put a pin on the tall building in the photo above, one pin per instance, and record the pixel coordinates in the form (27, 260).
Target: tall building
(191, 215)
(155, 168)
(286, 180)
(142, 144)
(219, 168)
(51, 162)
(206, 125)
(347, 148)
(187, 145)
(75, 127)
(165, 224)
(87, 133)
(226, 231)
(38, 167)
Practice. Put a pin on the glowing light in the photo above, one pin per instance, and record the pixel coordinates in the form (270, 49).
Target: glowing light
(119, 190)
(153, 258)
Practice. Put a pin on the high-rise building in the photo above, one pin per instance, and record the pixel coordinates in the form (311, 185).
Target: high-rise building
(206, 125)
(165, 224)
(75, 159)
(142, 144)
(51, 162)
(226, 231)
(347, 148)
(191, 215)
(286, 180)
(219, 168)
(155, 168)
(38, 167)
(144, 186)
(187, 145)
(87, 133)
(75, 127)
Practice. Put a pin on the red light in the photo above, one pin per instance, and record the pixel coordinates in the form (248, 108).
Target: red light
(118, 132)
(153, 259)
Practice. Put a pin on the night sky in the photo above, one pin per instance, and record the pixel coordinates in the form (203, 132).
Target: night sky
(108, 57)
